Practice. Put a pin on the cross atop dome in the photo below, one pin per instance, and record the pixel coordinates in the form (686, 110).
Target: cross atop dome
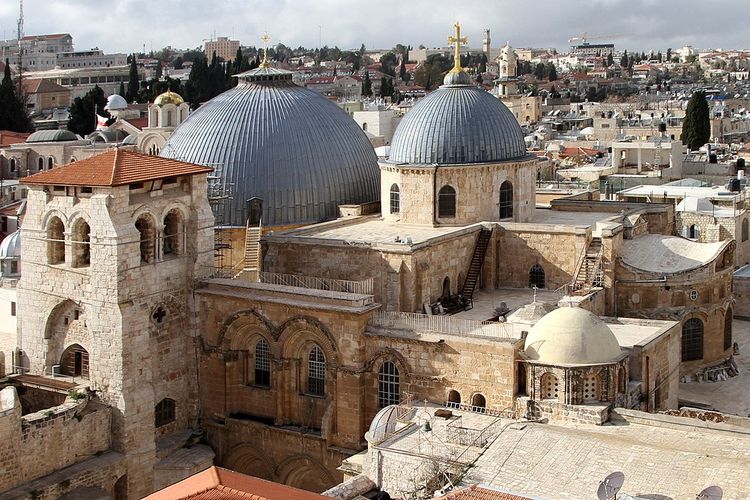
(457, 41)
(265, 39)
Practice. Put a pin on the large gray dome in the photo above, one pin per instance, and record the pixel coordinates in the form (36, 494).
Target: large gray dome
(457, 124)
(291, 147)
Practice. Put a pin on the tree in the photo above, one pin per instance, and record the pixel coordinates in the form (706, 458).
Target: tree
(13, 114)
(624, 60)
(610, 60)
(539, 71)
(367, 85)
(669, 54)
(696, 128)
(158, 72)
(551, 72)
(177, 63)
(388, 63)
(430, 74)
(83, 111)
(133, 80)
(402, 70)
(386, 87)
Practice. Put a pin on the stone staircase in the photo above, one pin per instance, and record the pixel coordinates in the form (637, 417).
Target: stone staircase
(589, 272)
(475, 267)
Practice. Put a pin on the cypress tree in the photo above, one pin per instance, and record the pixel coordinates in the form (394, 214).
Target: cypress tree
(133, 81)
(122, 89)
(367, 85)
(13, 115)
(696, 128)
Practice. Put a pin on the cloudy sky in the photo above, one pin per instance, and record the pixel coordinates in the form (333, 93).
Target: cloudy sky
(128, 25)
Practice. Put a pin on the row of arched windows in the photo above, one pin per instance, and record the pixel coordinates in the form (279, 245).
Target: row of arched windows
(80, 239)
(389, 382)
(50, 162)
(172, 237)
(478, 401)
(447, 201)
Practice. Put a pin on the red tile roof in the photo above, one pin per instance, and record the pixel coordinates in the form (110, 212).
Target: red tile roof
(7, 137)
(477, 492)
(41, 86)
(216, 483)
(140, 123)
(115, 167)
(44, 37)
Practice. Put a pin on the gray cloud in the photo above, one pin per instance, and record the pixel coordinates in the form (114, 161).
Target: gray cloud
(128, 25)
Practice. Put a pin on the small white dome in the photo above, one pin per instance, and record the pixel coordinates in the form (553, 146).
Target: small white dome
(115, 102)
(10, 247)
(383, 424)
(572, 336)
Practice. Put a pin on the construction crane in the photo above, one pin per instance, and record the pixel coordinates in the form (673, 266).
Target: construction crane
(585, 37)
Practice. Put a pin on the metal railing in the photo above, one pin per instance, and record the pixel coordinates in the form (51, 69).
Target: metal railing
(468, 436)
(363, 287)
(423, 323)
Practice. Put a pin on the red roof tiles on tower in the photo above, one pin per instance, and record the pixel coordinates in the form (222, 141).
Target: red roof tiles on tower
(115, 167)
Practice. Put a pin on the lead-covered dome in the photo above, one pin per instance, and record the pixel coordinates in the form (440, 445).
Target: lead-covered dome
(287, 145)
(571, 336)
(457, 124)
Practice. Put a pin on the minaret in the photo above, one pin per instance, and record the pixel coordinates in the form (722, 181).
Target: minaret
(486, 43)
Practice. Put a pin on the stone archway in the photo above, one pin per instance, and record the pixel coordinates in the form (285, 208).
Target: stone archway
(306, 473)
(245, 458)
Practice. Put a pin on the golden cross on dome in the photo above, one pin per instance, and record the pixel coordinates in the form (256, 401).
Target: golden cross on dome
(265, 38)
(457, 40)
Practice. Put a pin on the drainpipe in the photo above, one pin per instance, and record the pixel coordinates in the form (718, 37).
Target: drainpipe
(434, 194)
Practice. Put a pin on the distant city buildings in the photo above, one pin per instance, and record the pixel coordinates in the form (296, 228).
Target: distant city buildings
(223, 47)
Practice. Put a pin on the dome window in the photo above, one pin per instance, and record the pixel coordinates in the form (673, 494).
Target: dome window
(395, 201)
(506, 200)
(447, 202)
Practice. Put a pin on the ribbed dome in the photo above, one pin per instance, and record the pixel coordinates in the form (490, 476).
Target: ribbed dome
(289, 146)
(52, 136)
(383, 424)
(10, 247)
(457, 124)
(572, 336)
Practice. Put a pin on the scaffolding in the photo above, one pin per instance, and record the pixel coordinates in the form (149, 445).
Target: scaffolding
(219, 193)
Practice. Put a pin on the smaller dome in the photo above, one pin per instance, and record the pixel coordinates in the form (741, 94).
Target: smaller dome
(52, 136)
(10, 247)
(168, 97)
(572, 336)
(383, 424)
(115, 102)
(457, 78)
(130, 140)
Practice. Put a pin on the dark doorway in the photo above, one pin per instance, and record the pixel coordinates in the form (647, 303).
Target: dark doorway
(254, 211)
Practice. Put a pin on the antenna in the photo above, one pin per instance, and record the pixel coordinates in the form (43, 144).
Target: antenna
(20, 23)
(710, 493)
(610, 485)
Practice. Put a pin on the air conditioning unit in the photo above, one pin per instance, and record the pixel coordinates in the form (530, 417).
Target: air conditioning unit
(55, 370)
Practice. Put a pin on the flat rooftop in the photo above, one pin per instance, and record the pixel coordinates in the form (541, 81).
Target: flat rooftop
(661, 457)
(670, 191)
(487, 300)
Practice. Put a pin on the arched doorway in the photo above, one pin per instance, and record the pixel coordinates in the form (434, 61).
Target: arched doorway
(478, 402)
(446, 288)
(74, 362)
(454, 397)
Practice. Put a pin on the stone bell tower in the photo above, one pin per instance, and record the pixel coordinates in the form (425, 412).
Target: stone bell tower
(113, 245)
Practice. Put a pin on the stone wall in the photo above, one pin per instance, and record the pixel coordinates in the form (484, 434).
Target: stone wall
(477, 190)
(8, 328)
(741, 289)
(43, 442)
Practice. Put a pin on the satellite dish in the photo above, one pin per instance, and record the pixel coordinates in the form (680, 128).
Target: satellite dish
(609, 487)
(710, 493)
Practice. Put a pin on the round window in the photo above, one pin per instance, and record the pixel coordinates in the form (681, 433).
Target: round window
(693, 294)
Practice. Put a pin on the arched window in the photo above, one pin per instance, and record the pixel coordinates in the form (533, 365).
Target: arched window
(173, 233)
(55, 241)
(50, 163)
(728, 329)
(694, 232)
(164, 412)
(389, 388)
(692, 339)
(169, 118)
(447, 202)
(478, 402)
(364, 126)
(12, 164)
(446, 288)
(536, 276)
(262, 364)
(590, 388)
(40, 164)
(316, 372)
(745, 230)
(506, 200)
(549, 386)
(183, 115)
(74, 362)
(395, 205)
(454, 397)
(81, 239)
(147, 236)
